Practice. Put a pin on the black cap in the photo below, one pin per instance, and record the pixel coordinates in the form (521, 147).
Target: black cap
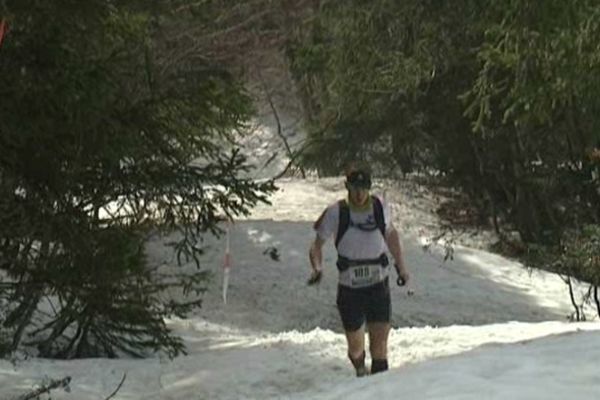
(359, 179)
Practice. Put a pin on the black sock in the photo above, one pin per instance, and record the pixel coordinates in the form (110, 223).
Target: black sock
(379, 365)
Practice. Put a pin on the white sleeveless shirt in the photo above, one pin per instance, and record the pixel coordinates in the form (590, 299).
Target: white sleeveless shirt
(357, 244)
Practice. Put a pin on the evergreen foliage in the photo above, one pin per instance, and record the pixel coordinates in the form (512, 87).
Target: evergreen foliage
(115, 119)
(500, 97)
(111, 129)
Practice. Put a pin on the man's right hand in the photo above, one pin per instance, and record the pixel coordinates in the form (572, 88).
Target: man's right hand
(315, 277)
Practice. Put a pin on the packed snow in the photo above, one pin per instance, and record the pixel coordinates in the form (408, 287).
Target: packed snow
(477, 326)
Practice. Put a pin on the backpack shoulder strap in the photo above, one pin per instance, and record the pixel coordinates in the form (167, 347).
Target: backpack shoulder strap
(378, 211)
(344, 221)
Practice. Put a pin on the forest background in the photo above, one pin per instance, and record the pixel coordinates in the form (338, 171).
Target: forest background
(121, 119)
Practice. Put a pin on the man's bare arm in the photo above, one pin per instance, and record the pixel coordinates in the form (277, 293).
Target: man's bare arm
(392, 239)
(315, 254)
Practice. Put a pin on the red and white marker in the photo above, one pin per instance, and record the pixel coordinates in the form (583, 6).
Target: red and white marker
(226, 262)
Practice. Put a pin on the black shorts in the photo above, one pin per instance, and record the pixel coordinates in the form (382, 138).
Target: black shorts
(372, 303)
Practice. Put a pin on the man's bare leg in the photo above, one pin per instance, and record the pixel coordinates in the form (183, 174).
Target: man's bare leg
(378, 338)
(356, 350)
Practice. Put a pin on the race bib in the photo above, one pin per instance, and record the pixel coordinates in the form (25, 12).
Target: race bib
(364, 275)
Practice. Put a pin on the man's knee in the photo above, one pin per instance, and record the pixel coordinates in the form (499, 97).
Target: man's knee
(378, 338)
(356, 342)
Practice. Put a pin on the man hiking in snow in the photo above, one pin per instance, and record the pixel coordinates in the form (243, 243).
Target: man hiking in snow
(363, 232)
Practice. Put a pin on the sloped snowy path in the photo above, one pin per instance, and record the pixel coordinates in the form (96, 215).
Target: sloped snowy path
(278, 338)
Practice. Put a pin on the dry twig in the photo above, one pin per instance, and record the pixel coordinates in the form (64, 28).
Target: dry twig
(58, 383)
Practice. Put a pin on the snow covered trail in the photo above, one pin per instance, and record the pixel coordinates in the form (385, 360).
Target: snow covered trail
(474, 288)
(458, 362)
(556, 367)
(271, 295)
(457, 337)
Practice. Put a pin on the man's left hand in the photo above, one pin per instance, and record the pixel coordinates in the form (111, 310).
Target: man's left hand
(403, 275)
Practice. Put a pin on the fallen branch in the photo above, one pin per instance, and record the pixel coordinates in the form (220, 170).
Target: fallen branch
(59, 383)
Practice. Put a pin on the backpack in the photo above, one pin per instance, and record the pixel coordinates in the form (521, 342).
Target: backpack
(345, 221)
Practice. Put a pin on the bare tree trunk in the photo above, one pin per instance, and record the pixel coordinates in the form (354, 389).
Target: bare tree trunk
(288, 149)
(596, 300)
(308, 86)
(578, 316)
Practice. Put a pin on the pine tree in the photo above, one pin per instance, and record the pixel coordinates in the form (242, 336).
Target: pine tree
(111, 130)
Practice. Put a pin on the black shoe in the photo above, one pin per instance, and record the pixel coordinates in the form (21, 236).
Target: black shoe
(380, 365)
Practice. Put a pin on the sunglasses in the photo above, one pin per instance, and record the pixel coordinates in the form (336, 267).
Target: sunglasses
(358, 186)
